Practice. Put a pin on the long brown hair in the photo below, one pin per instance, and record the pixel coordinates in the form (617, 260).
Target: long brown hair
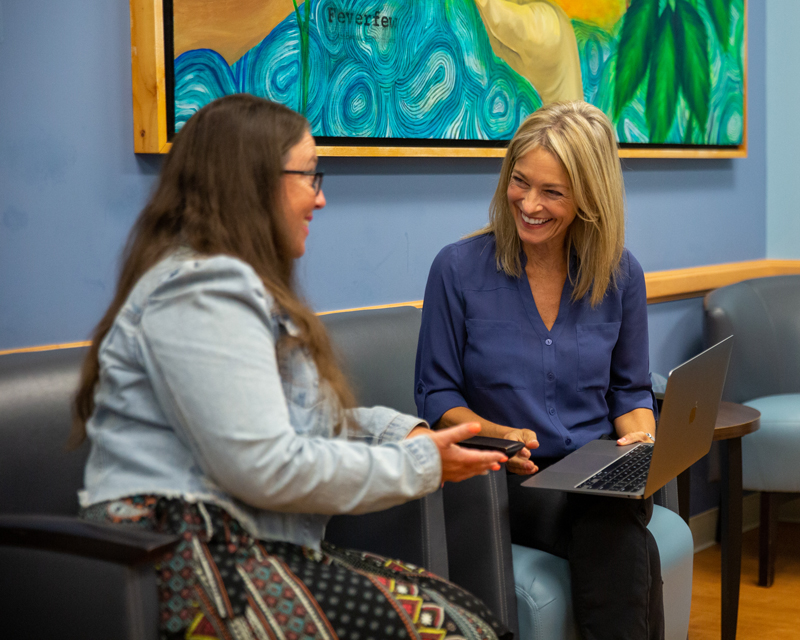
(220, 192)
(582, 138)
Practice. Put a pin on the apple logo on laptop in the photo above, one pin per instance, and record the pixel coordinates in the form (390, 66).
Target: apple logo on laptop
(693, 413)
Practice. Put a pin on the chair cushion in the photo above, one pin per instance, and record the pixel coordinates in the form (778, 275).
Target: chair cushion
(542, 584)
(769, 455)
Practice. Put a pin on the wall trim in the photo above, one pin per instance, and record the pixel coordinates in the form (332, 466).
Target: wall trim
(695, 282)
(662, 286)
(47, 347)
(704, 525)
(679, 284)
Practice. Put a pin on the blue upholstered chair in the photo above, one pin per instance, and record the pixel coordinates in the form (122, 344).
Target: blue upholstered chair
(542, 581)
(763, 315)
(529, 589)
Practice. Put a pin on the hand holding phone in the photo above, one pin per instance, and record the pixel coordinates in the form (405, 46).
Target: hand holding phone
(508, 447)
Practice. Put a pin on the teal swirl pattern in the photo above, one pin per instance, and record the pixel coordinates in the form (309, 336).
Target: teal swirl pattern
(431, 75)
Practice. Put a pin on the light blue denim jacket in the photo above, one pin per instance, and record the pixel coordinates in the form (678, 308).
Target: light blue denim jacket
(193, 401)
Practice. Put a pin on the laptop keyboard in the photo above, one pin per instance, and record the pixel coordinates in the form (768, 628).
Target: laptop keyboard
(626, 474)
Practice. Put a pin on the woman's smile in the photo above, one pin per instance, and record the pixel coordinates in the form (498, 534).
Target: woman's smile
(536, 222)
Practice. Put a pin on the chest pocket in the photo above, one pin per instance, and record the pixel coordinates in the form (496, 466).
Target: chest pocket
(494, 355)
(309, 414)
(595, 345)
(299, 377)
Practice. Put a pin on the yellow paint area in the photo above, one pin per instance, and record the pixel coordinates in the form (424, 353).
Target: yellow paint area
(603, 13)
(536, 39)
(229, 27)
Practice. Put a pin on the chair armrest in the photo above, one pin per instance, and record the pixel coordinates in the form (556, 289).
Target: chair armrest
(667, 496)
(479, 542)
(120, 544)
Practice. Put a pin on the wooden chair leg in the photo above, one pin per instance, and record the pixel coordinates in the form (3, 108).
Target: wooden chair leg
(767, 538)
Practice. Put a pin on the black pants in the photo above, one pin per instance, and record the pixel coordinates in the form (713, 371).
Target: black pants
(613, 558)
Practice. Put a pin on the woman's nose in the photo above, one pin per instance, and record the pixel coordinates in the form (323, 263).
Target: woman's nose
(319, 200)
(531, 203)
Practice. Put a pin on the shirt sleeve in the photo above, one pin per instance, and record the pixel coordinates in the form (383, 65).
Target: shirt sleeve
(377, 425)
(630, 387)
(439, 370)
(208, 344)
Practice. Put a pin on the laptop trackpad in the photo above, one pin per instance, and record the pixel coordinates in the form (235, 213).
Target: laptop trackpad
(583, 464)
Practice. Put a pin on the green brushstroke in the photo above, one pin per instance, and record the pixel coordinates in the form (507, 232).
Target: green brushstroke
(305, 68)
(667, 41)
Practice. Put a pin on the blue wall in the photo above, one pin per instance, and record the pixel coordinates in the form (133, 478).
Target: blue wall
(783, 129)
(71, 186)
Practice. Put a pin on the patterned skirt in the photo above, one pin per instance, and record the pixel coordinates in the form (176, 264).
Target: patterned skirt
(220, 582)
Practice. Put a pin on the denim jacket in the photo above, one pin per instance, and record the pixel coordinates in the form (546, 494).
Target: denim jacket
(194, 402)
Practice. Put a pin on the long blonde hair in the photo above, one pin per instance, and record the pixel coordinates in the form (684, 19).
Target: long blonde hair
(220, 193)
(582, 138)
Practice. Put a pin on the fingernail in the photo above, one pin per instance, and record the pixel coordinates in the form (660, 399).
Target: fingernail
(503, 459)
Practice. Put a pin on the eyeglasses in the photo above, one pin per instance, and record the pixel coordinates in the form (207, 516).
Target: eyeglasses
(316, 183)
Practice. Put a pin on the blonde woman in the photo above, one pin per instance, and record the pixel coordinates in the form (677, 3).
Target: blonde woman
(536, 328)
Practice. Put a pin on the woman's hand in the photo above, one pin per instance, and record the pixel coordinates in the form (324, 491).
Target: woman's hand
(636, 436)
(635, 426)
(459, 463)
(521, 463)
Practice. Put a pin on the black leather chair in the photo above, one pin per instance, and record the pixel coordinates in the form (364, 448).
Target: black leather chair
(763, 315)
(60, 576)
(377, 350)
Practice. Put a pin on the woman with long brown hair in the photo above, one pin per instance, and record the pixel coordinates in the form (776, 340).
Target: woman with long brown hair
(215, 408)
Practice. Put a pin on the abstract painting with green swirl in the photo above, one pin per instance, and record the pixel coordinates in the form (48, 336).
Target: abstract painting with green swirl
(665, 71)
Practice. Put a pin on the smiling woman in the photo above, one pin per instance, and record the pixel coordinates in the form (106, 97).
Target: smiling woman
(536, 328)
(215, 408)
(576, 146)
(302, 192)
(541, 202)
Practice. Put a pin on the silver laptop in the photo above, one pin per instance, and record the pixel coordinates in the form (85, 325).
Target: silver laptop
(685, 432)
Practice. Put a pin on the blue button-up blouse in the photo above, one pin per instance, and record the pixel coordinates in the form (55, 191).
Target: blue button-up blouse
(484, 346)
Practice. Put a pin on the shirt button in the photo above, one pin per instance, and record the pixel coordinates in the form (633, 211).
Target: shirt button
(550, 376)
(419, 389)
(568, 441)
(548, 342)
(552, 411)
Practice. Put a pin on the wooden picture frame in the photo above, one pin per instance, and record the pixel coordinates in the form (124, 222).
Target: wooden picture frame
(149, 85)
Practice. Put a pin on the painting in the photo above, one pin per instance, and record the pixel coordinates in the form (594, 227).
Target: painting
(467, 72)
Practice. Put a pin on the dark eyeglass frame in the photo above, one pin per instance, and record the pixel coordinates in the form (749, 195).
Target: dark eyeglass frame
(316, 183)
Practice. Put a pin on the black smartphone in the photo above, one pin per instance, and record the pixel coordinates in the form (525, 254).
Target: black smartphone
(509, 447)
